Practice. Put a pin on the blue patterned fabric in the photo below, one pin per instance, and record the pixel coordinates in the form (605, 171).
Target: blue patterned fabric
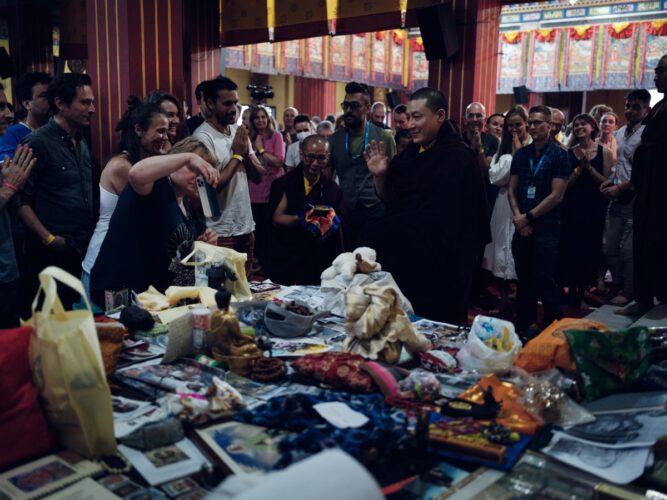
(385, 431)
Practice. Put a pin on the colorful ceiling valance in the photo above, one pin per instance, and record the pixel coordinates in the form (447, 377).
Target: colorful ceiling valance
(586, 57)
(383, 59)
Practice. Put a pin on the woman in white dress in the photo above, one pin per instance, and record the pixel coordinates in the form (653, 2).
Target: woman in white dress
(498, 254)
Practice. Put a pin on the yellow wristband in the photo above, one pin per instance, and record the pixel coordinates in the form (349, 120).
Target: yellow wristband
(261, 151)
(50, 239)
(237, 157)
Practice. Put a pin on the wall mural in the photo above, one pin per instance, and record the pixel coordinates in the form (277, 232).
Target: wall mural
(587, 57)
(383, 59)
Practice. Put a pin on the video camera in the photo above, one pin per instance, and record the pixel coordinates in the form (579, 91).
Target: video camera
(260, 93)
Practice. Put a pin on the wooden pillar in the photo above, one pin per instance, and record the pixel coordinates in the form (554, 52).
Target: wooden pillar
(471, 74)
(201, 38)
(134, 47)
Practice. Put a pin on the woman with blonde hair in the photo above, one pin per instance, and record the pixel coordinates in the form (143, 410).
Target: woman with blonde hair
(270, 150)
(608, 128)
(154, 221)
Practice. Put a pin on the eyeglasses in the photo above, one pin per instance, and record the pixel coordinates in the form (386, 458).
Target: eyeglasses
(535, 123)
(353, 105)
(314, 158)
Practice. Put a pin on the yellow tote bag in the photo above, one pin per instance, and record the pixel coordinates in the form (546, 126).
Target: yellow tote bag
(67, 367)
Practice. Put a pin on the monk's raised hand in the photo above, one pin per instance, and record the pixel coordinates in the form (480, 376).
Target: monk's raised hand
(376, 158)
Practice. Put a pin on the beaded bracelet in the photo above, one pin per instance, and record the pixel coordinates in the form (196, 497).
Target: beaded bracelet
(10, 186)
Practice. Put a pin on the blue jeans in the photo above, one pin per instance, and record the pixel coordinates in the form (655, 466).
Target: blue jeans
(85, 281)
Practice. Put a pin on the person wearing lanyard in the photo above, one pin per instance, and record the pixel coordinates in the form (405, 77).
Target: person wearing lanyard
(538, 178)
(363, 207)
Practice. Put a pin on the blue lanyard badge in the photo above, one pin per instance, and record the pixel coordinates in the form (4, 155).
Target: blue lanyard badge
(534, 171)
(347, 144)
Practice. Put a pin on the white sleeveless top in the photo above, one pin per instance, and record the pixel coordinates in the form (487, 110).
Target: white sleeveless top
(108, 203)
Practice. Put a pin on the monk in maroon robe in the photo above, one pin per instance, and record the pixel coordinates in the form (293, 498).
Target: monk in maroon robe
(437, 222)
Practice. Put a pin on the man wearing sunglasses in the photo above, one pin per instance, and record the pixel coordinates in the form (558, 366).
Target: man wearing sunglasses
(304, 205)
(363, 208)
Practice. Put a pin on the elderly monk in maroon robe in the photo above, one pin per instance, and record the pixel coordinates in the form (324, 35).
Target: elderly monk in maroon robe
(437, 221)
(649, 178)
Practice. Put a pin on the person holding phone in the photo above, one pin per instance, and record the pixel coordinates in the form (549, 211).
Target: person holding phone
(154, 222)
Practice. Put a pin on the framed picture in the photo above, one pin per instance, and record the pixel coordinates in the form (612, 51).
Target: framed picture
(242, 447)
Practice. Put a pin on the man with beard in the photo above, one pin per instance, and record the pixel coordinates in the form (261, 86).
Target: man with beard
(57, 199)
(437, 222)
(363, 208)
(31, 93)
(379, 114)
(237, 164)
(649, 177)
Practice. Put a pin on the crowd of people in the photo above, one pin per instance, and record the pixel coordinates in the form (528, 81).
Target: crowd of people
(521, 196)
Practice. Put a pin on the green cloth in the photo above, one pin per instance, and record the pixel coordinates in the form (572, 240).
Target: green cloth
(609, 362)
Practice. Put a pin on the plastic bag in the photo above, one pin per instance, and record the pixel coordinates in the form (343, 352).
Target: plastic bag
(68, 369)
(209, 256)
(492, 346)
(334, 289)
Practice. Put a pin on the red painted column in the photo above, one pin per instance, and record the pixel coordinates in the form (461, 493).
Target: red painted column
(471, 74)
(134, 46)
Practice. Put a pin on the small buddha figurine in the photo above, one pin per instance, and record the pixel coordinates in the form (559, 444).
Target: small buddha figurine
(227, 336)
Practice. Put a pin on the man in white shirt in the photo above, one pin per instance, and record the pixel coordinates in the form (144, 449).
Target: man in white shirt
(303, 127)
(617, 240)
(238, 163)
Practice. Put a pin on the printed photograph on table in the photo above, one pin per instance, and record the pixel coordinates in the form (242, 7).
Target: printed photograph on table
(167, 463)
(41, 476)
(298, 348)
(622, 429)
(619, 466)
(46, 475)
(183, 376)
(179, 487)
(242, 447)
(165, 456)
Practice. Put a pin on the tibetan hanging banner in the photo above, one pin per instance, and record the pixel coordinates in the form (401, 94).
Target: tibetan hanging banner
(360, 55)
(654, 47)
(264, 58)
(618, 56)
(397, 43)
(314, 62)
(544, 60)
(579, 64)
(235, 57)
(512, 66)
(290, 57)
(418, 65)
(339, 57)
(379, 59)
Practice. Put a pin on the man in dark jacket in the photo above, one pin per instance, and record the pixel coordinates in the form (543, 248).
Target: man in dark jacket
(437, 220)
